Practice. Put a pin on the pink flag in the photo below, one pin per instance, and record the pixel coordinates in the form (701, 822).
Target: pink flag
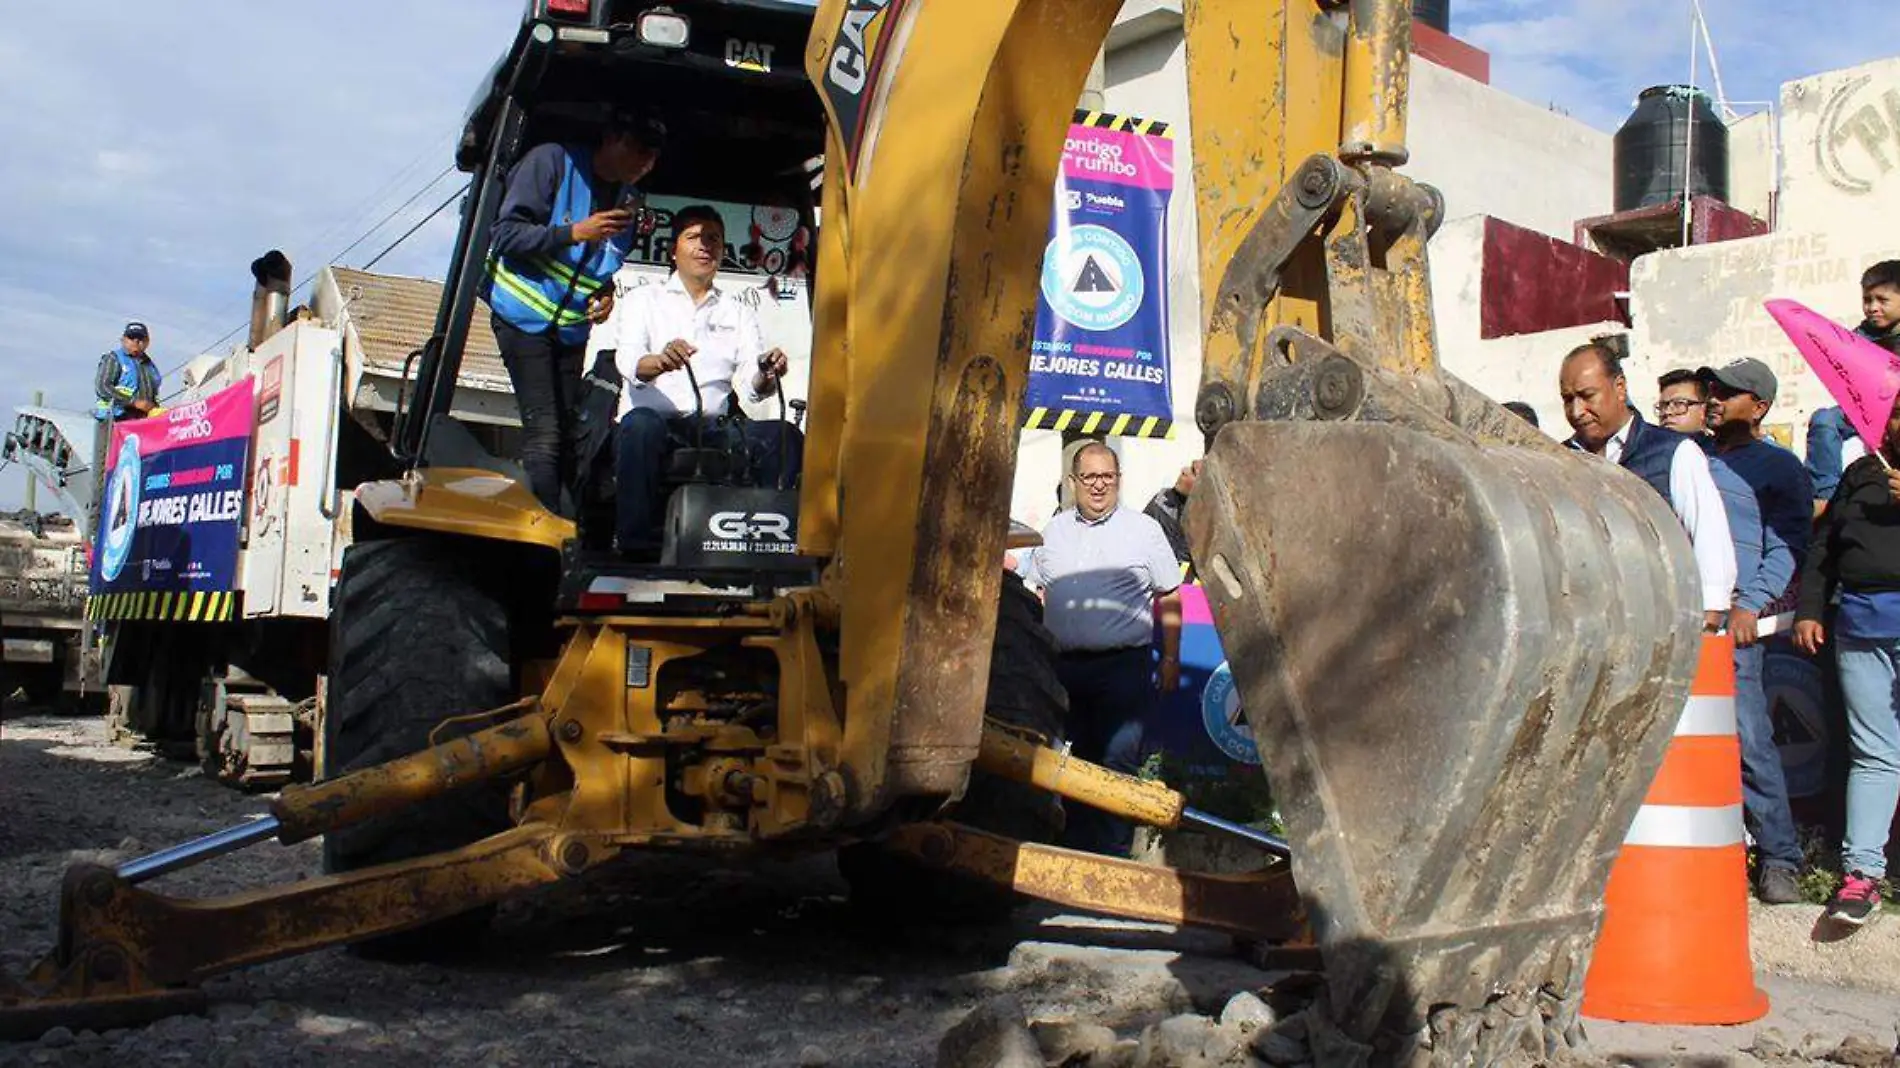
(1859, 374)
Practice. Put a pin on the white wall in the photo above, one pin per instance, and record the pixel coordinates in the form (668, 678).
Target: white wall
(1751, 163)
(1456, 254)
(1703, 306)
(1493, 154)
(1520, 368)
(1840, 135)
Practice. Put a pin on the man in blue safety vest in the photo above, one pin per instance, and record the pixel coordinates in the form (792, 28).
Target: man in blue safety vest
(566, 225)
(127, 381)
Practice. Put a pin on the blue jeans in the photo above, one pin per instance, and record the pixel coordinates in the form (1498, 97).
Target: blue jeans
(646, 438)
(1764, 783)
(1868, 668)
(1111, 696)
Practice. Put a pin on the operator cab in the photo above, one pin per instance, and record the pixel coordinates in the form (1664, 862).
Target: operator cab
(745, 135)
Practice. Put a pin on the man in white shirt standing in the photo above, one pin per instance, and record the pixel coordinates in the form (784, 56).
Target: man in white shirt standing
(1105, 573)
(1597, 404)
(671, 337)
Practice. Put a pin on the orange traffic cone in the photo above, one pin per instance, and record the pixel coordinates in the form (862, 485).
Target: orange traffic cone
(1674, 944)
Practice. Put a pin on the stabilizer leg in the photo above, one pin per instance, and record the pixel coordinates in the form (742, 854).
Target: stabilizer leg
(128, 956)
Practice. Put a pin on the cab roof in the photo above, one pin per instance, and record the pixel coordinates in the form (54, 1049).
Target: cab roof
(735, 99)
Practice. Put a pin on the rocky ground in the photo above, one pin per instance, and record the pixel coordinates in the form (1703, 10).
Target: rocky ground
(668, 961)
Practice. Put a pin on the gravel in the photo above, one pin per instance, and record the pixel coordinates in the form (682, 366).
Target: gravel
(693, 962)
(660, 960)
(1795, 941)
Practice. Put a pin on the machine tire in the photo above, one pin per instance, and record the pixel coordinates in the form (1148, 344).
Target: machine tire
(418, 634)
(1026, 692)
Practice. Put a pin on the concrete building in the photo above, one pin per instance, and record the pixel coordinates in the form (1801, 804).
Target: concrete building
(1837, 212)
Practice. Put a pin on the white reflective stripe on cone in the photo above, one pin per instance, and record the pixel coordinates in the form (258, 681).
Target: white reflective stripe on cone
(1704, 716)
(1686, 827)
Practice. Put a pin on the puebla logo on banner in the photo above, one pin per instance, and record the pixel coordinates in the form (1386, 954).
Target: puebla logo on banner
(1099, 358)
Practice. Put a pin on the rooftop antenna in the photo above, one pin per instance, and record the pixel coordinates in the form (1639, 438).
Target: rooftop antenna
(1688, 143)
(1699, 30)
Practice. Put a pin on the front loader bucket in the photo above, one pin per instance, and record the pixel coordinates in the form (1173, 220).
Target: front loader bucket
(1462, 664)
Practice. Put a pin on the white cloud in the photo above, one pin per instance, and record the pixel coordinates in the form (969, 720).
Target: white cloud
(110, 163)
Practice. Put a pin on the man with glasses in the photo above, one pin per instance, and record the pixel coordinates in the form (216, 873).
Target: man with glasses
(1682, 402)
(1101, 568)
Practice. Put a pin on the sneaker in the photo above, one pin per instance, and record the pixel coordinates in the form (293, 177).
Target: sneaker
(1856, 902)
(1778, 887)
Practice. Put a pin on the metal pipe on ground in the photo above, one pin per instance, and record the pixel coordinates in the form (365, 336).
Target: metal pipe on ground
(303, 812)
(1014, 757)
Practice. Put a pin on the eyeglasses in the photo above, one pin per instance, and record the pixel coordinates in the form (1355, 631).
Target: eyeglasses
(1098, 480)
(1677, 406)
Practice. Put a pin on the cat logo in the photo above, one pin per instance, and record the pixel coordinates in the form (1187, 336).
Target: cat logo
(856, 55)
(749, 56)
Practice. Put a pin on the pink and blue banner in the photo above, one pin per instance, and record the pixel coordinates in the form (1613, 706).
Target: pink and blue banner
(1099, 357)
(172, 509)
(1202, 724)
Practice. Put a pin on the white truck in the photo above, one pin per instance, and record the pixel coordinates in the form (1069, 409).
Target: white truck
(244, 694)
(45, 649)
(48, 651)
(239, 689)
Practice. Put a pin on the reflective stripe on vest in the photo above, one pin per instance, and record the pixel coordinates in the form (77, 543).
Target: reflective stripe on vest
(531, 292)
(127, 386)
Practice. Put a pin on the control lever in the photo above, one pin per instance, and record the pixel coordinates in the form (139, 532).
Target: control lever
(784, 427)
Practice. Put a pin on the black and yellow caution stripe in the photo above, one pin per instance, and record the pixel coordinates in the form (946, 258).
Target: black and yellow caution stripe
(1106, 423)
(1102, 120)
(1123, 425)
(173, 606)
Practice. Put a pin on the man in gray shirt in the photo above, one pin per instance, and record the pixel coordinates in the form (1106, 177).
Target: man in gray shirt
(1100, 568)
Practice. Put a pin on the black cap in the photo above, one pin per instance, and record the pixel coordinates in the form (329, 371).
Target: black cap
(137, 332)
(1745, 375)
(642, 124)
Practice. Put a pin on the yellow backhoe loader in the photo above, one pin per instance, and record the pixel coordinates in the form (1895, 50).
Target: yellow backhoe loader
(1460, 649)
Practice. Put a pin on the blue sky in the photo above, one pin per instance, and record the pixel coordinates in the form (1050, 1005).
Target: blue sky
(152, 150)
(1591, 57)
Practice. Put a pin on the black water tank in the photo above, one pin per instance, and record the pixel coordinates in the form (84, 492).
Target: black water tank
(1433, 13)
(1671, 124)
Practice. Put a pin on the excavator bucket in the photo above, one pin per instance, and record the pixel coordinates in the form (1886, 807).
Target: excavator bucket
(1462, 661)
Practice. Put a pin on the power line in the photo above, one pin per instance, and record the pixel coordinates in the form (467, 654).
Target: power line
(453, 197)
(364, 207)
(312, 276)
(400, 208)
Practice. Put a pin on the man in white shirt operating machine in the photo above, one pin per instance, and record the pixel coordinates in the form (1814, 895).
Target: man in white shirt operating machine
(684, 346)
